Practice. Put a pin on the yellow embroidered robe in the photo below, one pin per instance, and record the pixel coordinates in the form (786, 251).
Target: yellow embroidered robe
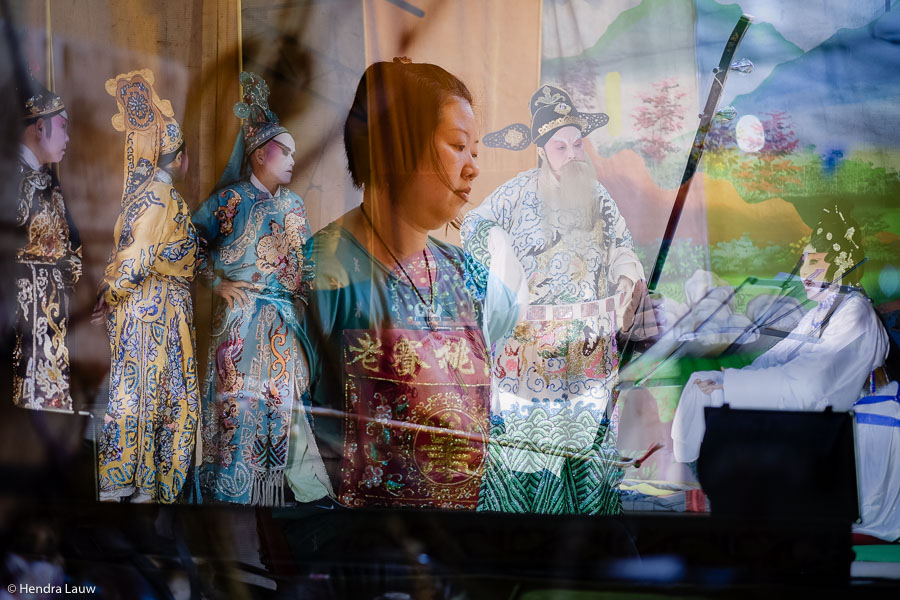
(149, 432)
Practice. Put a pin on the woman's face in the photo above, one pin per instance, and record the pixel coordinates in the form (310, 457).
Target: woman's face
(813, 271)
(427, 201)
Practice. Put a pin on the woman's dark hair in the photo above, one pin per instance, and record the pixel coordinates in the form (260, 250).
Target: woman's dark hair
(389, 131)
(839, 236)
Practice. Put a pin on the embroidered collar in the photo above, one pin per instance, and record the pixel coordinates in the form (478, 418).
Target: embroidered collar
(827, 302)
(821, 311)
(263, 192)
(164, 176)
(28, 157)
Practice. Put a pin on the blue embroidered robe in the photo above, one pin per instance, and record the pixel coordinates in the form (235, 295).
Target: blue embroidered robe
(256, 369)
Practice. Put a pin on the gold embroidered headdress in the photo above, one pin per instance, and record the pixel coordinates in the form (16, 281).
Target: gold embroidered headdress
(149, 125)
(41, 102)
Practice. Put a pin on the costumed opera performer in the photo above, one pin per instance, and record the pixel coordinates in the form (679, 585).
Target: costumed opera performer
(553, 446)
(256, 231)
(49, 263)
(146, 448)
(837, 345)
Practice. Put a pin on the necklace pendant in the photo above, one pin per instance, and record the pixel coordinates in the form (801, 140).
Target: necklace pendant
(432, 318)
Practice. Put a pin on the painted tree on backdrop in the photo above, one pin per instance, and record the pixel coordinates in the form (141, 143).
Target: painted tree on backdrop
(658, 117)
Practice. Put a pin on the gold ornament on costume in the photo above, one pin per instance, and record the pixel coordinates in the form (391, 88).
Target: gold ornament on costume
(41, 102)
(513, 137)
(560, 122)
(547, 98)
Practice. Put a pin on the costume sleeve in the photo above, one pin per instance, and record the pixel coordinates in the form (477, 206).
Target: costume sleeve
(145, 231)
(205, 220)
(24, 204)
(623, 261)
(308, 262)
(325, 309)
(72, 261)
(209, 228)
(501, 280)
(689, 424)
(496, 209)
(321, 336)
(485, 238)
(321, 437)
(815, 375)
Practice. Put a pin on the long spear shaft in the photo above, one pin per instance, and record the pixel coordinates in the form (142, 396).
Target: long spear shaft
(709, 111)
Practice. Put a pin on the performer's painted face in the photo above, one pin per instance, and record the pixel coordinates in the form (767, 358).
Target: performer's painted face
(441, 187)
(813, 273)
(565, 146)
(53, 140)
(278, 158)
(567, 185)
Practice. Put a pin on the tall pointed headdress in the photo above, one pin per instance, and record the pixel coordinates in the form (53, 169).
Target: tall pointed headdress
(551, 109)
(149, 125)
(260, 124)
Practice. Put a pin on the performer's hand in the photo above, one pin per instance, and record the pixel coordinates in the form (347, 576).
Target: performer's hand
(707, 386)
(625, 304)
(234, 292)
(100, 312)
(644, 313)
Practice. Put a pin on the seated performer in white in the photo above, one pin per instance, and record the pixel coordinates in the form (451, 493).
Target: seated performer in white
(839, 343)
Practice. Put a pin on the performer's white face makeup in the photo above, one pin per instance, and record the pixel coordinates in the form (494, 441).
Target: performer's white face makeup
(565, 146)
(432, 200)
(813, 271)
(274, 162)
(51, 145)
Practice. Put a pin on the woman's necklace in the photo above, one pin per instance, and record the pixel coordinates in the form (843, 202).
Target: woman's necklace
(430, 315)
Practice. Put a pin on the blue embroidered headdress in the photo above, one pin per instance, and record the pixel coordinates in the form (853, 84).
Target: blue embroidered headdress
(260, 125)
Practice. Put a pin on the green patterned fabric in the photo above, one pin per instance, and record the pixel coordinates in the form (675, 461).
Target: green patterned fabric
(586, 483)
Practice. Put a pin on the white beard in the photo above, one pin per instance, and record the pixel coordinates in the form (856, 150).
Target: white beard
(571, 202)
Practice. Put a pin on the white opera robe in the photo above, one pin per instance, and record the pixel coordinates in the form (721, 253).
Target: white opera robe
(878, 464)
(795, 374)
